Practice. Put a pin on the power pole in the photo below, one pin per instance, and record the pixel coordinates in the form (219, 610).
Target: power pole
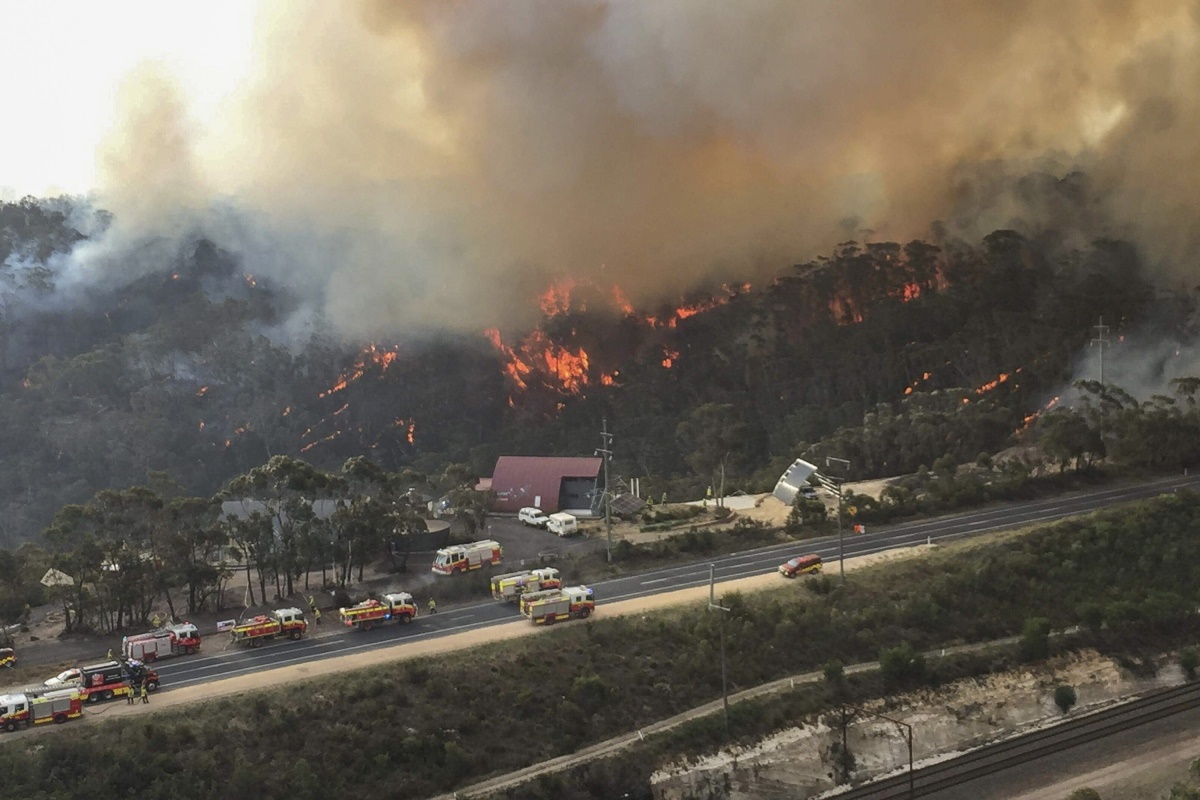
(841, 540)
(605, 452)
(1101, 330)
(713, 606)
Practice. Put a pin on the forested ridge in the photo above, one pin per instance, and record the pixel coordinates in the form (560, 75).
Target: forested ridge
(187, 369)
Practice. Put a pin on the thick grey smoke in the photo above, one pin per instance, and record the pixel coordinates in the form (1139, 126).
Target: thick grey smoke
(436, 163)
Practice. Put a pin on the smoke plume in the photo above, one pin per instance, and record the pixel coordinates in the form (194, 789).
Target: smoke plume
(436, 163)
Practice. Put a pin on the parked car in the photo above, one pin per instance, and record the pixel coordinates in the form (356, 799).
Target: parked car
(63, 678)
(562, 524)
(533, 516)
(800, 565)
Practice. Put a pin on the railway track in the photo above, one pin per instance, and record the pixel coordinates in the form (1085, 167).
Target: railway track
(1028, 747)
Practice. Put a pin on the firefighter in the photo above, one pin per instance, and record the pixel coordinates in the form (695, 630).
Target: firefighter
(157, 621)
(432, 606)
(132, 692)
(110, 654)
(317, 614)
(145, 693)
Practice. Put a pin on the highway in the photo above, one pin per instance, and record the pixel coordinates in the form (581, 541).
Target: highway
(217, 662)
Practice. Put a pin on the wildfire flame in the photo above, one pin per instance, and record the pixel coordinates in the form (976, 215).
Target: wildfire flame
(203, 391)
(685, 311)
(250, 280)
(557, 297)
(568, 369)
(371, 355)
(1031, 418)
(669, 357)
(990, 385)
(328, 438)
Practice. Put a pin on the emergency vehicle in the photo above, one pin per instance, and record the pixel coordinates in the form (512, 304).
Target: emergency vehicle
(466, 557)
(8, 658)
(511, 586)
(399, 607)
(111, 679)
(288, 622)
(550, 606)
(801, 565)
(37, 706)
(171, 640)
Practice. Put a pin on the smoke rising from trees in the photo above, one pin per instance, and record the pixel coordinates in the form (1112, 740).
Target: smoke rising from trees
(435, 164)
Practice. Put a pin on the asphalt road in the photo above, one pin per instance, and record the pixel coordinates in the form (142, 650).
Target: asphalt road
(218, 663)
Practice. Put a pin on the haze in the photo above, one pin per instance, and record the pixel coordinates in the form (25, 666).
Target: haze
(436, 164)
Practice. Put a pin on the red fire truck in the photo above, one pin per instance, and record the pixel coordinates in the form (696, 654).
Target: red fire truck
(511, 586)
(550, 606)
(106, 680)
(171, 640)
(466, 557)
(398, 607)
(38, 706)
(281, 622)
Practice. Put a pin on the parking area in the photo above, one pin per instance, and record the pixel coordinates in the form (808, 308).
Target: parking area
(526, 545)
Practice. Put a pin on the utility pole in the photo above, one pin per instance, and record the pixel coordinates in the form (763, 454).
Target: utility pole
(713, 606)
(907, 731)
(1101, 330)
(841, 540)
(605, 452)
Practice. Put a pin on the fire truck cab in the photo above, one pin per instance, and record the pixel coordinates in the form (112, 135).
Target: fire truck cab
(281, 622)
(467, 557)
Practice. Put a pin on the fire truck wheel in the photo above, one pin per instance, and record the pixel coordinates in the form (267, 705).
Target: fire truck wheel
(296, 635)
(10, 726)
(366, 626)
(108, 694)
(151, 686)
(455, 571)
(150, 657)
(405, 619)
(255, 642)
(60, 718)
(583, 613)
(191, 649)
(549, 619)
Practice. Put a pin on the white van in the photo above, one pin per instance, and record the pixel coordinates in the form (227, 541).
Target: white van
(532, 516)
(563, 524)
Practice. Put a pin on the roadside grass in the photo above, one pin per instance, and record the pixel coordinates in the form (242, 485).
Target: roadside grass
(430, 725)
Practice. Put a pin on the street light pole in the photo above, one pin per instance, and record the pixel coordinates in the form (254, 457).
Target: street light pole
(841, 539)
(605, 452)
(713, 606)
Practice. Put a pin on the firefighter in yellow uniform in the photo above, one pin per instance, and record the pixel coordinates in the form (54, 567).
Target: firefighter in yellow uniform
(145, 693)
(432, 606)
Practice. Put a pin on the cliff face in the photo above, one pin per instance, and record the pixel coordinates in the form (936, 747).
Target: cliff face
(799, 762)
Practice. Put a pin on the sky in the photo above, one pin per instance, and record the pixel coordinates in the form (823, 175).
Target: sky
(438, 163)
(62, 64)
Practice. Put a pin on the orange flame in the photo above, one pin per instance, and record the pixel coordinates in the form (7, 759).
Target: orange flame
(911, 291)
(569, 370)
(370, 355)
(250, 280)
(621, 301)
(202, 392)
(685, 311)
(557, 297)
(990, 385)
(201, 425)
(311, 445)
(669, 357)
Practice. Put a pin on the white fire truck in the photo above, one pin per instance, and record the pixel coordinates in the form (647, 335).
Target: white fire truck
(509, 587)
(466, 557)
(398, 607)
(38, 706)
(281, 622)
(171, 640)
(548, 607)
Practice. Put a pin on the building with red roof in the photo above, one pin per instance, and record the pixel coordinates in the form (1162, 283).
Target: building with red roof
(547, 482)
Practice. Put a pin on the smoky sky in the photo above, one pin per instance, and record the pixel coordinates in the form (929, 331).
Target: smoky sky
(437, 163)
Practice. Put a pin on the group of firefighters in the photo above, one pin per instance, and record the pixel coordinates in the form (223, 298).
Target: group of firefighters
(137, 686)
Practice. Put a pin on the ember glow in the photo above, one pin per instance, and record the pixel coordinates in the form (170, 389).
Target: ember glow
(370, 356)
(685, 311)
(990, 385)
(669, 357)
(563, 368)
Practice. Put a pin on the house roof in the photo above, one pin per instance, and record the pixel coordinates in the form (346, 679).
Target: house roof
(520, 481)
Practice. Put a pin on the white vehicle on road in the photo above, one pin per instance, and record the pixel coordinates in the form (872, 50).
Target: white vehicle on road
(533, 516)
(562, 524)
(64, 678)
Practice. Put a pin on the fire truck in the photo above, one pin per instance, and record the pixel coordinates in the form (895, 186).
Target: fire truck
(171, 640)
(38, 706)
(8, 658)
(111, 679)
(466, 557)
(399, 607)
(550, 606)
(511, 586)
(265, 627)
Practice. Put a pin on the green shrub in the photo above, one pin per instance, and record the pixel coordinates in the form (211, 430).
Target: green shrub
(1065, 698)
(1035, 639)
(1189, 660)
